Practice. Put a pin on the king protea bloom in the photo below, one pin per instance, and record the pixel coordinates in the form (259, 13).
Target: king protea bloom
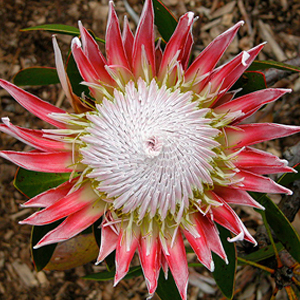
(157, 149)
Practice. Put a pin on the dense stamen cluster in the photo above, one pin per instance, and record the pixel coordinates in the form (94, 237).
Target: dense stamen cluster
(150, 149)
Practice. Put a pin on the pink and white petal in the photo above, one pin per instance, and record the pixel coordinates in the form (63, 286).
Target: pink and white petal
(84, 65)
(249, 134)
(226, 217)
(57, 162)
(260, 162)
(94, 55)
(150, 258)
(144, 39)
(120, 74)
(187, 51)
(176, 43)
(227, 97)
(174, 253)
(32, 137)
(199, 243)
(215, 81)
(109, 241)
(236, 196)
(64, 79)
(209, 57)
(115, 52)
(158, 55)
(250, 103)
(256, 183)
(74, 224)
(126, 246)
(64, 207)
(33, 104)
(212, 236)
(164, 265)
(236, 73)
(49, 197)
(128, 40)
(264, 170)
(222, 78)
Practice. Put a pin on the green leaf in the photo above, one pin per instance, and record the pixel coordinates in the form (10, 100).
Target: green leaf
(33, 183)
(288, 178)
(75, 77)
(267, 64)
(164, 20)
(42, 256)
(282, 227)
(105, 276)
(250, 81)
(224, 274)
(36, 76)
(262, 253)
(110, 261)
(166, 288)
(59, 28)
(76, 251)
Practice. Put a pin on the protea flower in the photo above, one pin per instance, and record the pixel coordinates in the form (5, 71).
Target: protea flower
(156, 150)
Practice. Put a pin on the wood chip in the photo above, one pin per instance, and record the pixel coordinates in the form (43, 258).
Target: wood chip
(25, 274)
(267, 34)
(211, 24)
(21, 214)
(226, 9)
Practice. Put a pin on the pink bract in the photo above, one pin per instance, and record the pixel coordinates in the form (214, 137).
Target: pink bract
(157, 147)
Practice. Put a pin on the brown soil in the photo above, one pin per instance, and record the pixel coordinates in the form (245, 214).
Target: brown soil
(18, 50)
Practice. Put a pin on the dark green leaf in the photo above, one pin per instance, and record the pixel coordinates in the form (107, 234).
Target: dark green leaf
(105, 276)
(36, 76)
(110, 261)
(250, 81)
(225, 274)
(167, 289)
(33, 183)
(164, 20)
(267, 64)
(288, 178)
(97, 231)
(76, 251)
(263, 253)
(283, 229)
(75, 77)
(59, 28)
(42, 256)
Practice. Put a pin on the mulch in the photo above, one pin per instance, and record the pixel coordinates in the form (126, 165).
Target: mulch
(277, 21)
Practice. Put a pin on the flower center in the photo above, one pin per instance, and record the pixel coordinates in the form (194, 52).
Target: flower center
(149, 149)
(153, 146)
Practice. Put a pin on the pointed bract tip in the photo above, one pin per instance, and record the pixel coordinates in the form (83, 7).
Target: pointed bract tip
(75, 41)
(212, 266)
(226, 260)
(190, 17)
(97, 262)
(5, 120)
(111, 4)
(37, 246)
(238, 237)
(245, 57)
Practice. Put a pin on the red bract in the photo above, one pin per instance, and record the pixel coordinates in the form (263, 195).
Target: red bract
(159, 152)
